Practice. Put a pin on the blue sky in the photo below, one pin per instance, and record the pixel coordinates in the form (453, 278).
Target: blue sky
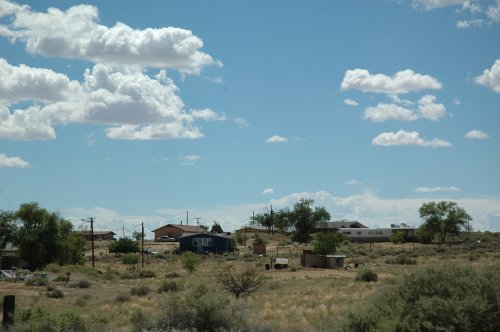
(135, 112)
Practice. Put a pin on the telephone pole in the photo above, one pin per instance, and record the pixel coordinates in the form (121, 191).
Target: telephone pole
(198, 221)
(91, 221)
(142, 245)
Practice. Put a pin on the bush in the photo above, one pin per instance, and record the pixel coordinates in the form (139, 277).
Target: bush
(39, 320)
(402, 260)
(172, 274)
(124, 245)
(366, 275)
(147, 274)
(37, 281)
(140, 290)
(168, 286)
(122, 298)
(241, 284)
(60, 278)
(190, 261)
(81, 284)
(54, 293)
(451, 298)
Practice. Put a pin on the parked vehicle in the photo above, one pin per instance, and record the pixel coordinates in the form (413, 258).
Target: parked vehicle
(165, 238)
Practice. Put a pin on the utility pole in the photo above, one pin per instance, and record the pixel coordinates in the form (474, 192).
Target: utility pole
(142, 244)
(187, 218)
(91, 221)
(198, 221)
(271, 221)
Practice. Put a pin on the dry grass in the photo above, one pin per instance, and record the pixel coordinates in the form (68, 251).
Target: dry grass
(304, 299)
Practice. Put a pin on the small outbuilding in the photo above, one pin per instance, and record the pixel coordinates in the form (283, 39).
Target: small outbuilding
(308, 259)
(206, 242)
(176, 231)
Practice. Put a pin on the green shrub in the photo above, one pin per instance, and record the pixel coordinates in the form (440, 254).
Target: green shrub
(366, 275)
(172, 274)
(147, 274)
(60, 278)
(168, 286)
(124, 246)
(450, 298)
(54, 293)
(81, 284)
(53, 268)
(142, 290)
(122, 298)
(37, 281)
(190, 261)
(39, 320)
(402, 260)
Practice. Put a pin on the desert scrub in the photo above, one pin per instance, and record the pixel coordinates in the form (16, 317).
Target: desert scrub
(38, 320)
(54, 293)
(172, 274)
(80, 284)
(122, 298)
(450, 298)
(169, 286)
(401, 260)
(37, 281)
(366, 275)
(142, 290)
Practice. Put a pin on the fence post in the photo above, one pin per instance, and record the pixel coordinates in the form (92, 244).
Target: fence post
(9, 308)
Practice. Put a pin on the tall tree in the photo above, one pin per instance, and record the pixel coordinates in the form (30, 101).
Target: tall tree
(45, 237)
(305, 219)
(326, 243)
(7, 227)
(443, 218)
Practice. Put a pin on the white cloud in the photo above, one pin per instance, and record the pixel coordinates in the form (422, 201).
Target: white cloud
(404, 138)
(14, 162)
(268, 191)
(477, 23)
(490, 77)
(368, 208)
(433, 4)
(436, 189)
(241, 122)
(430, 110)
(352, 182)
(135, 105)
(402, 82)
(456, 101)
(427, 109)
(75, 33)
(351, 102)
(384, 112)
(493, 12)
(277, 139)
(189, 160)
(477, 134)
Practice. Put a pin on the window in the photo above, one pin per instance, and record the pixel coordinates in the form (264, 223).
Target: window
(358, 233)
(202, 242)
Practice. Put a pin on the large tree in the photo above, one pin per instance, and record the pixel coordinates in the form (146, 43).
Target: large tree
(443, 218)
(7, 227)
(305, 219)
(45, 237)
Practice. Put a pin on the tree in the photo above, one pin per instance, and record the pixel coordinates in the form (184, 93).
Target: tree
(7, 227)
(264, 219)
(397, 238)
(124, 245)
(131, 259)
(45, 237)
(240, 284)
(190, 261)
(443, 219)
(326, 243)
(305, 219)
(137, 236)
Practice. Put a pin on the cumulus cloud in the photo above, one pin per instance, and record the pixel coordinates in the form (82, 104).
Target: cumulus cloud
(351, 102)
(14, 162)
(277, 139)
(241, 122)
(405, 138)
(268, 191)
(352, 182)
(134, 105)
(436, 189)
(433, 4)
(427, 109)
(402, 82)
(75, 33)
(490, 77)
(477, 134)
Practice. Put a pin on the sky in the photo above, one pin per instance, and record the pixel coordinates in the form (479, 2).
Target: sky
(159, 112)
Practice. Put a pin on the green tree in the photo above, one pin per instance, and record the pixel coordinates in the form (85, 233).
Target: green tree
(7, 227)
(443, 218)
(397, 238)
(124, 245)
(264, 219)
(45, 237)
(242, 283)
(190, 261)
(326, 243)
(131, 259)
(305, 219)
(137, 236)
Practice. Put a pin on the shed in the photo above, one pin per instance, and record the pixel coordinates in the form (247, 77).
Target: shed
(176, 231)
(206, 242)
(308, 259)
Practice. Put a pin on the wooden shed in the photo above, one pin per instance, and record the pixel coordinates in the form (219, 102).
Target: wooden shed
(206, 242)
(308, 259)
(176, 231)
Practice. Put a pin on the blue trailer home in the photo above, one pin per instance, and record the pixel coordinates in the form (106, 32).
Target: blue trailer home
(206, 242)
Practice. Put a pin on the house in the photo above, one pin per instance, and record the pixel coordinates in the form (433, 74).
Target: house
(256, 229)
(176, 231)
(98, 235)
(334, 226)
(308, 259)
(377, 234)
(206, 242)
